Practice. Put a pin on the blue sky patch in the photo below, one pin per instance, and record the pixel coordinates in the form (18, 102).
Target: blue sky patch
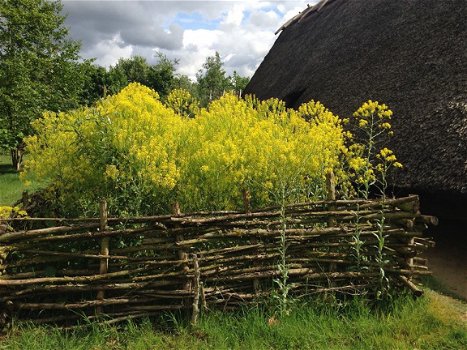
(195, 20)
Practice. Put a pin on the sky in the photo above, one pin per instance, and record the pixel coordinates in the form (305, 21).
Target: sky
(189, 31)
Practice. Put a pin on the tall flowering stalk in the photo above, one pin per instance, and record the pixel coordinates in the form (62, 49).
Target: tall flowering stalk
(370, 162)
(372, 124)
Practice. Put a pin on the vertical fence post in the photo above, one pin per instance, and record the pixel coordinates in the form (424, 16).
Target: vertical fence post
(246, 196)
(204, 304)
(182, 255)
(414, 209)
(330, 186)
(3, 229)
(196, 290)
(105, 242)
(331, 196)
(246, 201)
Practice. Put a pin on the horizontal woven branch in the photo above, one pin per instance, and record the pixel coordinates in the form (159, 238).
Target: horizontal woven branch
(219, 259)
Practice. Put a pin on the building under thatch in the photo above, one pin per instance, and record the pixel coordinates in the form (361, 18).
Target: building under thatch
(409, 54)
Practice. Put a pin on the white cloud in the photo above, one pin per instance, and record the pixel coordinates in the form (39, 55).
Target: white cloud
(241, 31)
(264, 19)
(234, 16)
(107, 52)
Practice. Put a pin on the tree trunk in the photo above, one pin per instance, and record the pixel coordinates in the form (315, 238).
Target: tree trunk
(17, 156)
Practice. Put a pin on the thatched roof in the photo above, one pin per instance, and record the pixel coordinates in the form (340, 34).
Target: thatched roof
(409, 54)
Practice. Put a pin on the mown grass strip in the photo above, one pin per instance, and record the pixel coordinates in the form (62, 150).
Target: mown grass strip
(431, 322)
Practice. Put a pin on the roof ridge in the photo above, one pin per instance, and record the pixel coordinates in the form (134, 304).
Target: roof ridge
(303, 14)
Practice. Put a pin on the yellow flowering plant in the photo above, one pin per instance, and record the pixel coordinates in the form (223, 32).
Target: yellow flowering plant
(253, 147)
(183, 103)
(123, 149)
(143, 156)
(8, 212)
(387, 162)
(368, 164)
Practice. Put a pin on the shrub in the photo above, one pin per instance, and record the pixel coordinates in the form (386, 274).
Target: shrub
(143, 156)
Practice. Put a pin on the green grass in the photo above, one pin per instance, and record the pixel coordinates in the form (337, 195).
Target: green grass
(432, 322)
(11, 187)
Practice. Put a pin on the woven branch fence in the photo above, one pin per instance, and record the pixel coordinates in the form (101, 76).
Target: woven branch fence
(122, 268)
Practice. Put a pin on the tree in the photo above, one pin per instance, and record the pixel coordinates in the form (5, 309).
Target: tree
(135, 69)
(212, 81)
(39, 68)
(238, 83)
(162, 75)
(95, 83)
(117, 80)
(182, 81)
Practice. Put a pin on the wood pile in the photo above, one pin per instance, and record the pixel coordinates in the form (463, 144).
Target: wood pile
(122, 268)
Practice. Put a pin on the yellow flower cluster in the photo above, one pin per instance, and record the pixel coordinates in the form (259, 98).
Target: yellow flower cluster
(373, 108)
(143, 155)
(120, 149)
(368, 166)
(388, 157)
(259, 147)
(7, 212)
(183, 103)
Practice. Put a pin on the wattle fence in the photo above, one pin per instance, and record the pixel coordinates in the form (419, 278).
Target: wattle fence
(123, 268)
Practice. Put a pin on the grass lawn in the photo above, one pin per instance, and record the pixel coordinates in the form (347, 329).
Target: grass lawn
(432, 322)
(11, 187)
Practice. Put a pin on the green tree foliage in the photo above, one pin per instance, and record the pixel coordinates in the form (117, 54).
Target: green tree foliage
(39, 68)
(212, 80)
(184, 82)
(238, 83)
(162, 77)
(96, 83)
(134, 69)
(100, 82)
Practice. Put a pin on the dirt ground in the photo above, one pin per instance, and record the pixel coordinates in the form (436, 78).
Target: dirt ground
(448, 260)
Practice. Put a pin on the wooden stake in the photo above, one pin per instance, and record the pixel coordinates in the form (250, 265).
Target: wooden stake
(182, 255)
(247, 208)
(104, 263)
(331, 196)
(196, 291)
(330, 186)
(203, 297)
(246, 200)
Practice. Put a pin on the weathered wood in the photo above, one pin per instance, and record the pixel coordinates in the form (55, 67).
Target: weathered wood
(104, 262)
(13, 236)
(415, 290)
(76, 279)
(88, 304)
(152, 270)
(196, 290)
(182, 255)
(331, 197)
